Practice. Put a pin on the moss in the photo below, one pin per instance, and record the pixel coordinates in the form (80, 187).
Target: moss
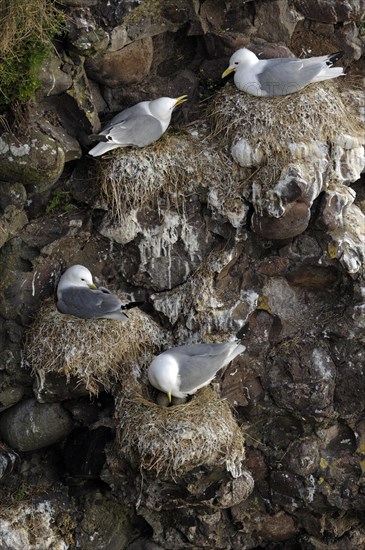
(361, 26)
(28, 27)
(60, 202)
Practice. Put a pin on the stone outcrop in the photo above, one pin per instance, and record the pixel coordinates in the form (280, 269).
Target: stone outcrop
(245, 220)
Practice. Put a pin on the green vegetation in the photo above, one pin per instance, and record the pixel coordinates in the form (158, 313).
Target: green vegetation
(27, 29)
(361, 26)
(60, 202)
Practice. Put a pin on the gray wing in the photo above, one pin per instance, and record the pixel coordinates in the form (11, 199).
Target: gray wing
(140, 130)
(87, 303)
(199, 363)
(284, 76)
(194, 350)
(128, 113)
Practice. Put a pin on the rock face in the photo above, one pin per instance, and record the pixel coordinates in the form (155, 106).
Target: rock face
(245, 220)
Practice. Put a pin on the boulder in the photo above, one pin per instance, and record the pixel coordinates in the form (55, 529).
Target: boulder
(30, 425)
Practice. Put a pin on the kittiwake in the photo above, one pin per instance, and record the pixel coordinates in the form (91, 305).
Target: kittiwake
(279, 76)
(78, 296)
(139, 125)
(182, 371)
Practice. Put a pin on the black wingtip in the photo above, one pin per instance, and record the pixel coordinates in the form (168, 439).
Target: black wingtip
(131, 305)
(97, 137)
(333, 57)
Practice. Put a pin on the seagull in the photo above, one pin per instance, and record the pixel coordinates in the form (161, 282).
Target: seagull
(78, 296)
(139, 125)
(182, 371)
(279, 76)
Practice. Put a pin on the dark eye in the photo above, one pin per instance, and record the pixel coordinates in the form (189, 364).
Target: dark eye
(82, 279)
(236, 62)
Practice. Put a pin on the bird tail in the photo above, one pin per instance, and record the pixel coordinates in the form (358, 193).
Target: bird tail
(333, 57)
(328, 72)
(102, 148)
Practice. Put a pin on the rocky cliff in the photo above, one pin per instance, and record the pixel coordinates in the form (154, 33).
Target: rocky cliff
(246, 219)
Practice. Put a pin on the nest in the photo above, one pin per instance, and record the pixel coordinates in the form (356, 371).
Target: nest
(172, 441)
(176, 165)
(94, 351)
(276, 131)
(311, 115)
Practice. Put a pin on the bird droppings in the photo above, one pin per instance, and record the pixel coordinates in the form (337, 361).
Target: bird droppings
(93, 351)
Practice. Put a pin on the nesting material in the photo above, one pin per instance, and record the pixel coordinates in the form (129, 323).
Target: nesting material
(172, 441)
(94, 351)
(176, 164)
(271, 138)
(313, 116)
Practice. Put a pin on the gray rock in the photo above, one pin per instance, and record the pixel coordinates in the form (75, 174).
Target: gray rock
(305, 385)
(331, 12)
(12, 194)
(9, 396)
(8, 460)
(285, 17)
(51, 387)
(22, 288)
(278, 527)
(303, 457)
(69, 144)
(144, 544)
(53, 79)
(153, 18)
(118, 39)
(30, 425)
(85, 36)
(234, 491)
(39, 521)
(87, 3)
(36, 161)
(80, 105)
(105, 524)
(13, 220)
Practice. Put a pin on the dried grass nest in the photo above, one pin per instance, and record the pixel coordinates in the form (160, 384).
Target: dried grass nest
(267, 134)
(174, 166)
(94, 351)
(172, 441)
(317, 114)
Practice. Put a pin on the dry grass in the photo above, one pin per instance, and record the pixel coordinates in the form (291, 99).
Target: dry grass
(94, 351)
(27, 30)
(21, 20)
(298, 130)
(317, 114)
(172, 441)
(173, 166)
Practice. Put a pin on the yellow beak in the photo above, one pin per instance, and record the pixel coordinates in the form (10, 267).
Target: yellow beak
(181, 99)
(93, 287)
(228, 71)
(169, 396)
